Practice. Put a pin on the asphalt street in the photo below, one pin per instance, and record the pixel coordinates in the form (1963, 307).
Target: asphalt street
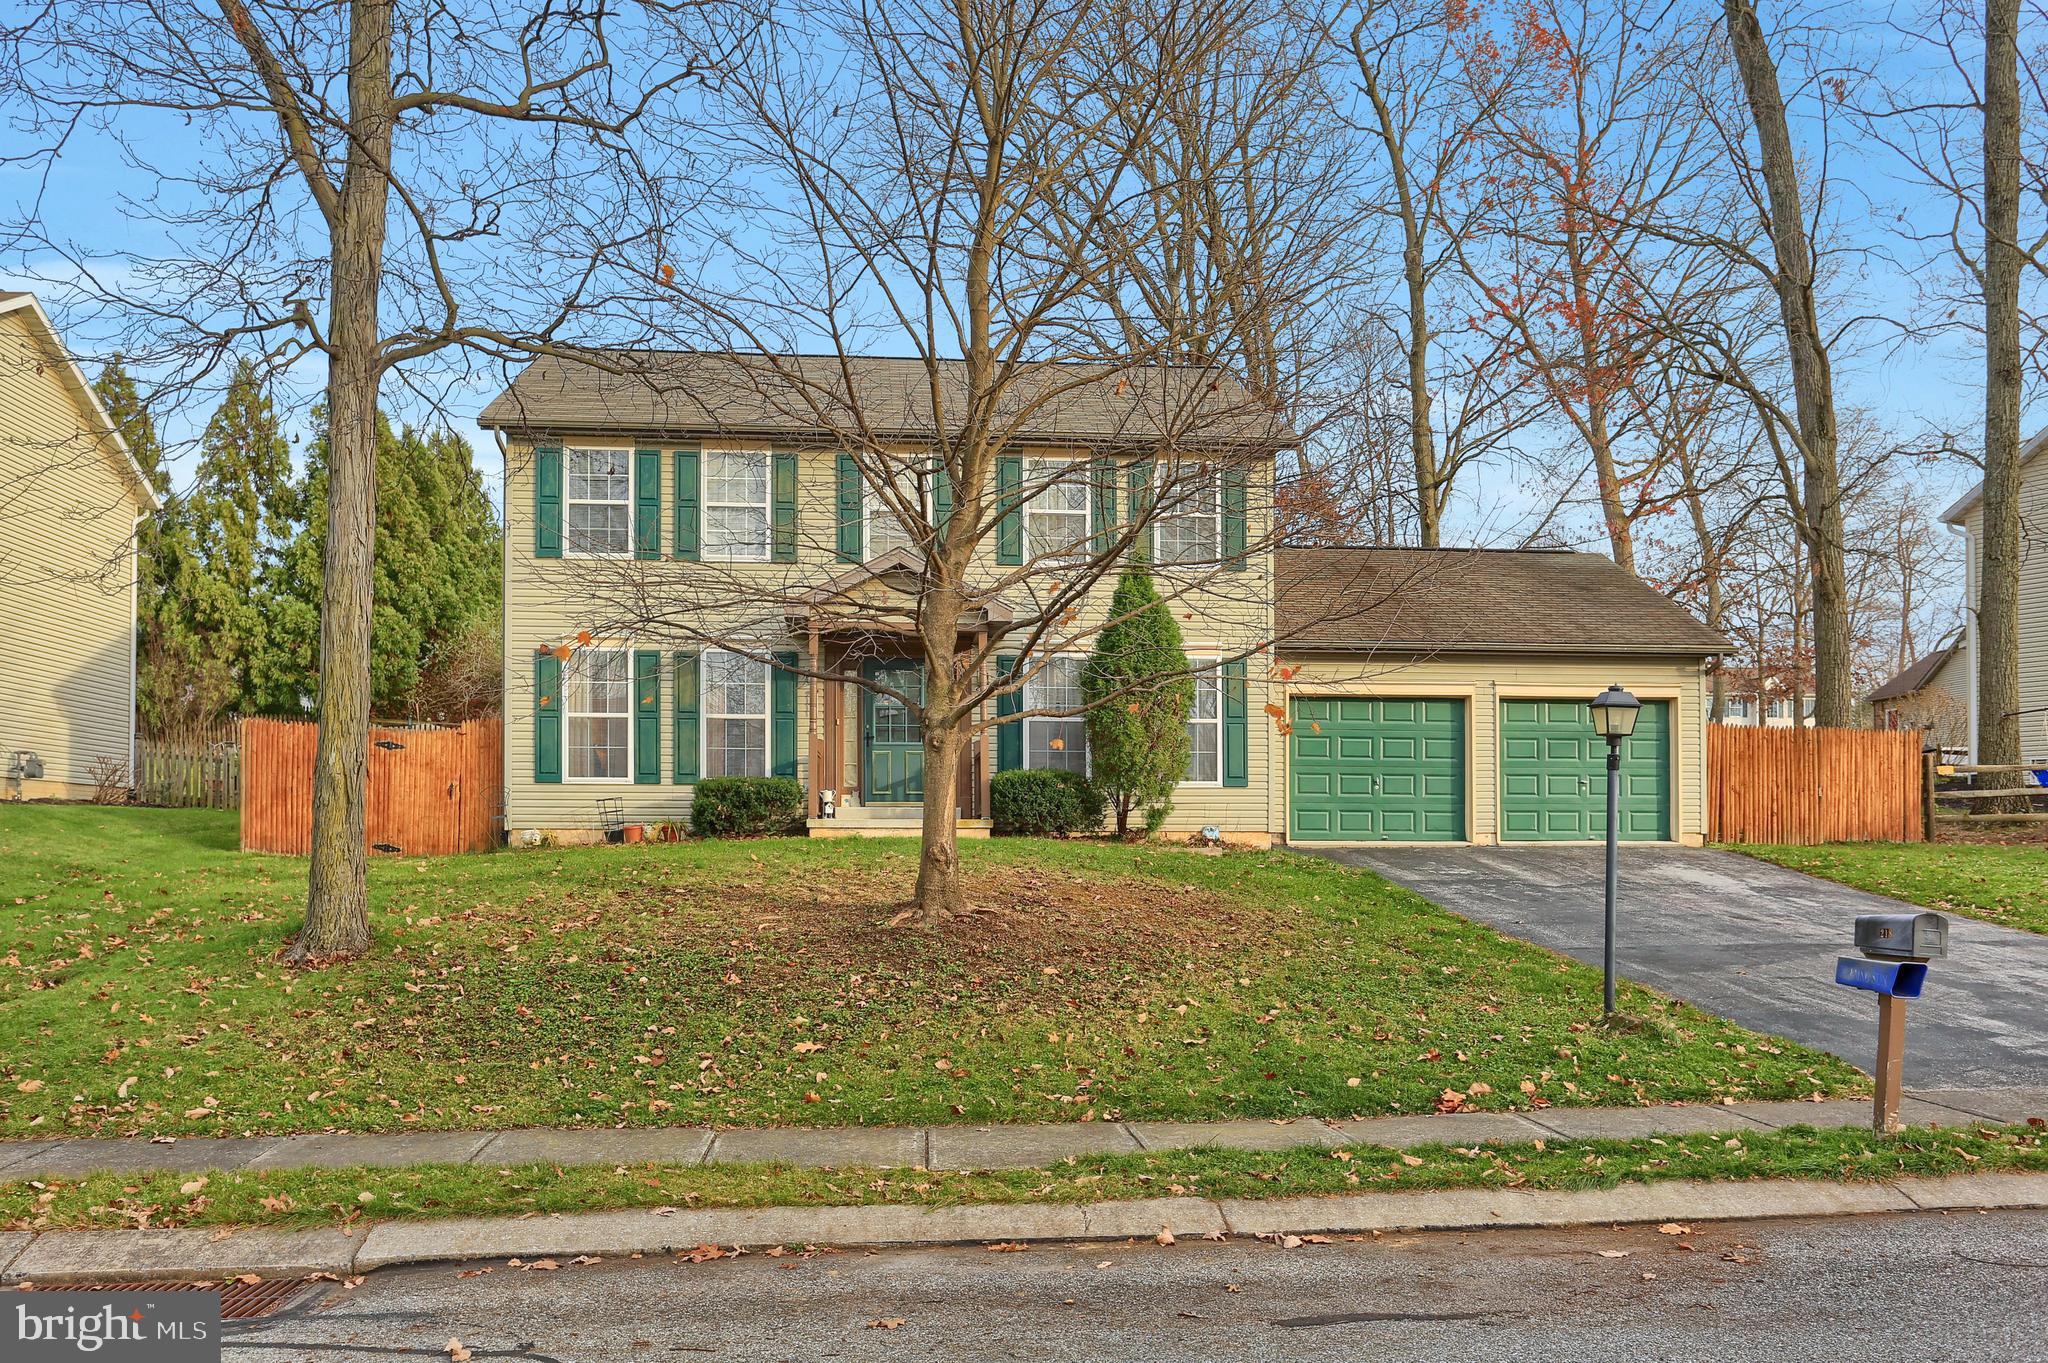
(1756, 943)
(1911, 1287)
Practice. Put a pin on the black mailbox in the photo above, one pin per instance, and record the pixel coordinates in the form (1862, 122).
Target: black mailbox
(1902, 936)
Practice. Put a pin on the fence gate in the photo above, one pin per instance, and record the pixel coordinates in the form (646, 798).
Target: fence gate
(432, 791)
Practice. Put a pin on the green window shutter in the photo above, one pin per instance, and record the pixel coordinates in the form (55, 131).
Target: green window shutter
(1009, 511)
(1102, 501)
(1141, 476)
(547, 502)
(547, 719)
(684, 747)
(1010, 734)
(849, 501)
(646, 503)
(782, 716)
(1233, 517)
(942, 497)
(783, 535)
(646, 717)
(689, 502)
(1236, 761)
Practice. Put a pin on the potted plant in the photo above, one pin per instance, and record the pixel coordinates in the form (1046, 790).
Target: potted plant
(636, 832)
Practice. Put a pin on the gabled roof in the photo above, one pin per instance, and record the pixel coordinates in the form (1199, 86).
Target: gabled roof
(1965, 504)
(705, 393)
(14, 300)
(1919, 673)
(1476, 601)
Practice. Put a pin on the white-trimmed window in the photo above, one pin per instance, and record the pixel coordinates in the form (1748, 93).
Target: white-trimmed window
(1188, 527)
(597, 505)
(736, 504)
(597, 715)
(1205, 725)
(1056, 516)
(1049, 742)
(884, 531)
(1779, 709)
(734, 710)
(1735, 708)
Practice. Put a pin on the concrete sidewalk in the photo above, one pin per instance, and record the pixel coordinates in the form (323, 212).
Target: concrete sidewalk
(56, 1257)
(968, 1147)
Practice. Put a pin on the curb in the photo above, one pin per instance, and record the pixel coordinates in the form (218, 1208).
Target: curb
(98, 1255)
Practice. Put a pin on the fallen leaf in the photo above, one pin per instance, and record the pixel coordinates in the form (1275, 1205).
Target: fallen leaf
(456, 1350)
(1006, 1247)
(192, 1187)
(1165, 1236)
(886, 1323)
(28, 1086)
(1673, 1228)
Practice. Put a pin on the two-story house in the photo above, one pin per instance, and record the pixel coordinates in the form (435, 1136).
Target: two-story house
(691, 540)
(1967, 515)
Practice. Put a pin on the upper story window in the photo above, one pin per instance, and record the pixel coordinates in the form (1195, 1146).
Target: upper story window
(735, 714)
(597, 508)
(736, 504)
(1736, 709)
(1050, 742)
(1779, 709)
(1056, 516)
(597, 714)
(912, 484)
(1188, 527)
(1205, 725)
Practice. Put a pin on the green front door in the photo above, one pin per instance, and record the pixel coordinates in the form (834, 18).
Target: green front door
(892, 741)
(1553, 774)
(1376, 771)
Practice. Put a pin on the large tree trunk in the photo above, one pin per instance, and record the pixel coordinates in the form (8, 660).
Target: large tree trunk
(337, 901)
(1998, 677)
(1819, 521)
(941, 891)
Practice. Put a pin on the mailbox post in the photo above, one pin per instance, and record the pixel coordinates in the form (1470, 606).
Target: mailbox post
(1896, 948)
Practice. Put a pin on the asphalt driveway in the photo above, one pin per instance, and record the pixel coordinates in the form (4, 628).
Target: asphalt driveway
(1756, 943)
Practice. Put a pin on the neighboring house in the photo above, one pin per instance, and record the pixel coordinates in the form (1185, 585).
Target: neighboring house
(1748, 704)
(1931, 694)
(70, 501)
(1411, 695)
(1968, 515)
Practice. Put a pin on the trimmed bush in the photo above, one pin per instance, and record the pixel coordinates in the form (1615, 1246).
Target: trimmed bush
(747, 807)
(1043, 803)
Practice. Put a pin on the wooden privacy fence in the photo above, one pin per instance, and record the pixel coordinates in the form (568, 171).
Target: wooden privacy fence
(1813, 785)
(432, 791)
(190, 768)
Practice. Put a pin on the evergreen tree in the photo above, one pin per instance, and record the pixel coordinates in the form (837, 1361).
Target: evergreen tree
(1139, 690)
(436, 581)
(115, 388)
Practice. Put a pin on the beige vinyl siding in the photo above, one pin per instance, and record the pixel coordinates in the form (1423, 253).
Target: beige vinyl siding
(1483, 682)
(547, 601)
(2033, 602)
(67, 561)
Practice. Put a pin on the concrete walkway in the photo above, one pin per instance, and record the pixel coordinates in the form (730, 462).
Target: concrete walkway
(967, 1147)
(1756, 943)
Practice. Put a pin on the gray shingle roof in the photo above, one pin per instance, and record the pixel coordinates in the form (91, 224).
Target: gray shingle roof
(1476, 601)
(701, 393)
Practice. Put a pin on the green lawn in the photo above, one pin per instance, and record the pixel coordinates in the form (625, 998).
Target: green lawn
(2007, 885)
(758, 984)
(314, 1197)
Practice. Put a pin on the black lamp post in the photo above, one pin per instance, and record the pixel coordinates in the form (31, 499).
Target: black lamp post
(1614, 718)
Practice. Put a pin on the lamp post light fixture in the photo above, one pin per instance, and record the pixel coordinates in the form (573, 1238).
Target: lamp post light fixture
(1614, 719)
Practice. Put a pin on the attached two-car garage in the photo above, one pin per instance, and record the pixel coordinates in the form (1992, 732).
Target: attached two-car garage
(1441, 696)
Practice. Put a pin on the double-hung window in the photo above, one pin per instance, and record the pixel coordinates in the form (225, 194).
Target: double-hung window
(912, 485)
(1188, 527)
(1053, 742)
(597, 712)
(1056, 515)
(735, 715)
(1205, 725)
(597, 508)
(736, 510)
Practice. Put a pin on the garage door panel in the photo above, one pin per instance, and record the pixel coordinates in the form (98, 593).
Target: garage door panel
(1554, 774)
(1366, 770)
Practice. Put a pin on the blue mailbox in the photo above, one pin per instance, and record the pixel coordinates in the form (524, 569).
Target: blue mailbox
(1893, 979)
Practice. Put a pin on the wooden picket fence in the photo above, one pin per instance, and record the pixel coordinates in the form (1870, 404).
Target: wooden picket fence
(1806, 786)
(198, 768)
(432, 791)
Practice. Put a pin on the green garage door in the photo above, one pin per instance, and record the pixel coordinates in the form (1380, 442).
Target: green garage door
(1553, 773)
(1377, 770)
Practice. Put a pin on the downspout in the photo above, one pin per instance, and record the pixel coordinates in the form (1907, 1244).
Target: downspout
(504, 638)
(1970, 630)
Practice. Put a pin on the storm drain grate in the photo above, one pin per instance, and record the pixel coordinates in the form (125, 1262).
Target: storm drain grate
(238, 1301)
